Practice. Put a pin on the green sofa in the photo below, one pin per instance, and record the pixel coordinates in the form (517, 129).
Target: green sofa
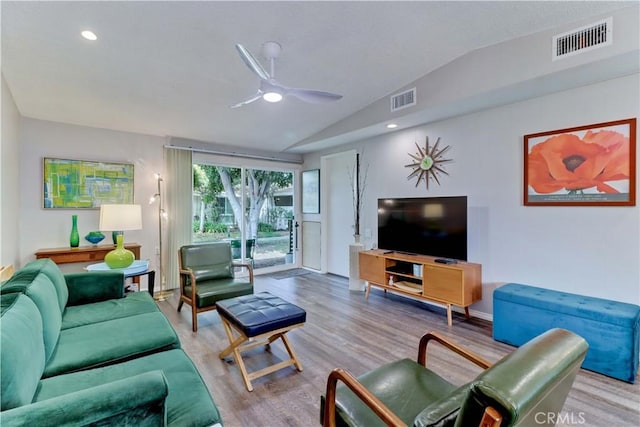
(75, 350)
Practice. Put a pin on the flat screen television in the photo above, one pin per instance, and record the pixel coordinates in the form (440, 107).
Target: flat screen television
(435, 226)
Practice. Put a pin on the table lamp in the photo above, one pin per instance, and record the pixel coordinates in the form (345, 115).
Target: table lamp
(119, 218)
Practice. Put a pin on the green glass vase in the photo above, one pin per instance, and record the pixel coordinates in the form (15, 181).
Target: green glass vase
(119, 257)
(74, 238)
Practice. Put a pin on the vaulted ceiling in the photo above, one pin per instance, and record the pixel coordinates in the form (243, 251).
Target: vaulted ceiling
(171, 68)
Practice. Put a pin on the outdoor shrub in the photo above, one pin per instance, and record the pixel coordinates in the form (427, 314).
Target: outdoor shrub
(263, 227)
(216, 227)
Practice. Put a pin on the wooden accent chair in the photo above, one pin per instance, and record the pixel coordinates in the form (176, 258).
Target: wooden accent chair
(527, 387)
(207, 276)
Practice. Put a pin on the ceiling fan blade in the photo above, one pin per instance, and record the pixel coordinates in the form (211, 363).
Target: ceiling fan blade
(313, 96)
(252, 62)
(254, 98)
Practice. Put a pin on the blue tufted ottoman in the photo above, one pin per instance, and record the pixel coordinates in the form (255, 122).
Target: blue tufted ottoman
(260, 319)
(521, 312)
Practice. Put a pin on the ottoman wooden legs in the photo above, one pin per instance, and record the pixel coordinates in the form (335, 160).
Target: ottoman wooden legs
(239, 342)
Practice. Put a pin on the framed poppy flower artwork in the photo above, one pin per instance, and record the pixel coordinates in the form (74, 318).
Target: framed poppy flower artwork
(590, 165)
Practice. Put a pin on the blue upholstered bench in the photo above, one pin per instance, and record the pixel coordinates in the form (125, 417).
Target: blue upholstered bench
(521, 312)
(259, 319)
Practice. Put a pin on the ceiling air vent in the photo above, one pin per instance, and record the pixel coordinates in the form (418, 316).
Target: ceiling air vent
(583, 39)
(403, 100)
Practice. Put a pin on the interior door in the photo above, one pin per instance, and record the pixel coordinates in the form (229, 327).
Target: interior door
(311, 236)
(337, 170)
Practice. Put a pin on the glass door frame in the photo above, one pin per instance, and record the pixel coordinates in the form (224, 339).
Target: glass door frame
(248, 163)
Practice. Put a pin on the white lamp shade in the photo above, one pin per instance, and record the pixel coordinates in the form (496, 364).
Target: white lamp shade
(120, 217)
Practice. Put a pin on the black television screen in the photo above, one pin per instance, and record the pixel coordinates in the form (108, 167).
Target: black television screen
(435, 226)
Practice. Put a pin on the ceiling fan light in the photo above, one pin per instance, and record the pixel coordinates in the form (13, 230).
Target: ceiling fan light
(89, 35)
(272, 96)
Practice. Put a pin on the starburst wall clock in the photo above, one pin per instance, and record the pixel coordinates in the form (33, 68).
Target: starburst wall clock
(428, 163)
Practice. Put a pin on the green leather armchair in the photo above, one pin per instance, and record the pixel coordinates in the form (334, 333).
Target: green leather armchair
(207, 276)
(527, 387)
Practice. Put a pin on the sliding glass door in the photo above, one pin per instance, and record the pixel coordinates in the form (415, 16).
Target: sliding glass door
(251, 208)
(214, 218)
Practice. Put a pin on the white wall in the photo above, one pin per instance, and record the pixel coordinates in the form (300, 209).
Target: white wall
(586, 250)
(589, 250)
(512, 71)
(9, 191)
(50, 228)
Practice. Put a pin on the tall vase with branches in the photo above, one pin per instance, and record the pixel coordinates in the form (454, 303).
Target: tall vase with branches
(358, 182)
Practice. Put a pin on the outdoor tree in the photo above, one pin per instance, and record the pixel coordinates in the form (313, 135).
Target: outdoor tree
(260, 184)
(201, 187)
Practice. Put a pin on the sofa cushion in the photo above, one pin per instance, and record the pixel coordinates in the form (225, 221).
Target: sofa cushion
(104, 343)
(52, 271)
(86, 314)
(136, 401)
(22, 355)
(188, 402)
(94, 286)
(18, 282)
(40, 289)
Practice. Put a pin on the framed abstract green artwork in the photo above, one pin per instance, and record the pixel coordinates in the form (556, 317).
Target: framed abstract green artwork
(73, 184)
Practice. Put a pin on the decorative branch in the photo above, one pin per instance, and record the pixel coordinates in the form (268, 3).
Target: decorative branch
(358, 183)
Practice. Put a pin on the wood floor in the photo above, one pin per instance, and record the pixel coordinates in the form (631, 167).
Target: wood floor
(345, 330)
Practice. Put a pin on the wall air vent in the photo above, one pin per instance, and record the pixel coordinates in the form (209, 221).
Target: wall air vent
(403, 100)
(583, 39)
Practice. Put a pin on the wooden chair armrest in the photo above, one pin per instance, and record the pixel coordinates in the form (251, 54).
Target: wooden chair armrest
(359, 390)
(248, 267)
(188, 272)
(462, 351)
(491, 418)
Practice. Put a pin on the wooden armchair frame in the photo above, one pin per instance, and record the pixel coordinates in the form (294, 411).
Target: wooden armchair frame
(191, 299)
(6, 271)
(491, 417)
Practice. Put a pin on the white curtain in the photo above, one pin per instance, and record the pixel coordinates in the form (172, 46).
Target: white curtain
(178, 196)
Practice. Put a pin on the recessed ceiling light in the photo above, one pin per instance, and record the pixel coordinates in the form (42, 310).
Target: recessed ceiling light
(89, 35)
(392, 126)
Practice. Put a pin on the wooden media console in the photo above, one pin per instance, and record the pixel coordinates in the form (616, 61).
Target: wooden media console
(421, 277)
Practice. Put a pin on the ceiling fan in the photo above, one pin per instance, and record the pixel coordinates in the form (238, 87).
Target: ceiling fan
(270, 90)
